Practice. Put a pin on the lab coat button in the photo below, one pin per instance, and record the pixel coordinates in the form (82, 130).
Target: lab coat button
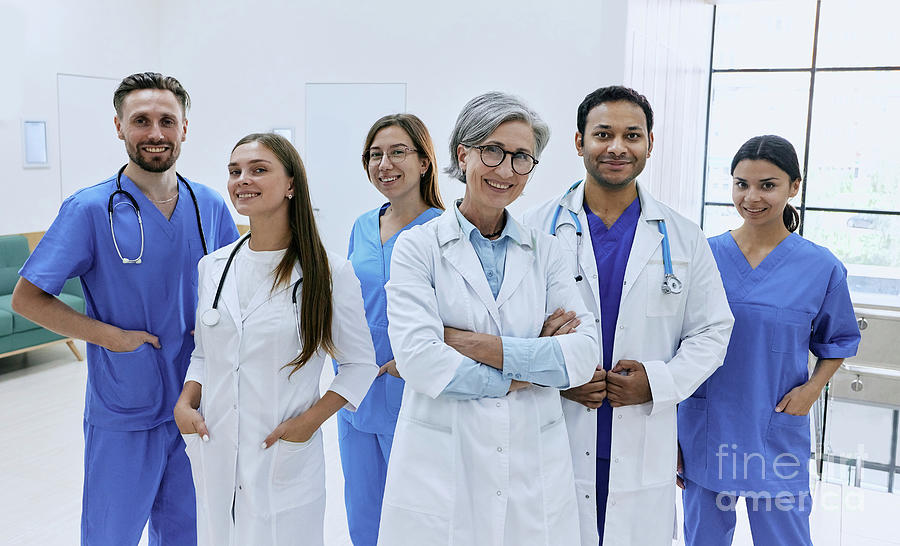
(234, 406)
(594, 275)
(620, 416)
(596, 320)
(498, 493)
(616, 460)
(613, 502)
(499, 404)
(588, 453)
(587, 496)
(589, 410)
(499, 450)
(621, 327)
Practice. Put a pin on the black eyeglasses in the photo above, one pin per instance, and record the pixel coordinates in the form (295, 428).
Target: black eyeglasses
(395, 155)
(493, 155)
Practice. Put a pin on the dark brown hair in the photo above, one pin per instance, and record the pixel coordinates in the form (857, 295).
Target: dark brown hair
(306, 247)
(779, 152)
(151, 80)
(418, 133)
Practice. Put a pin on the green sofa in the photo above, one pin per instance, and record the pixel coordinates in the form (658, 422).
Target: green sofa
(18, 334)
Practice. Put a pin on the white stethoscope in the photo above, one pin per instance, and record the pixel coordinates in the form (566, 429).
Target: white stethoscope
(670, 284)
(132, 202)
(211, 316)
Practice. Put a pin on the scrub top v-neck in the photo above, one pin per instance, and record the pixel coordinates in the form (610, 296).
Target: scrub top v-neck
(796, 301)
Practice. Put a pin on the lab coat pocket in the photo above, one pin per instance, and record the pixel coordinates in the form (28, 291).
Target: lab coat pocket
(791, 331)
(192, 448)
(298, 472)
(556, 472)
(421, 475)
(660, 454)
(190, 443)
(131, 382)
(693, 432)
(660, 304)
(788, 444)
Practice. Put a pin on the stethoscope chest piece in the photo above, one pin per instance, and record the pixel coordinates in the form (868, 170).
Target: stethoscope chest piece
(210, 317)
(671, 285)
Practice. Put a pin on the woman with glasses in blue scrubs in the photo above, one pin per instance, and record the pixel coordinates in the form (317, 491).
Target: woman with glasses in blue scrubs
(398, 157)
(745, 432)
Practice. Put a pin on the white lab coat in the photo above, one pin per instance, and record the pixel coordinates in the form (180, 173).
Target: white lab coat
(680, 338)
(490, 471)
(279, 493)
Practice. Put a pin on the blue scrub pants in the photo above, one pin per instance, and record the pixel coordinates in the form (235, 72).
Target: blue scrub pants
(130, 476)
(602, 494)
(364, 457)
(709, 518)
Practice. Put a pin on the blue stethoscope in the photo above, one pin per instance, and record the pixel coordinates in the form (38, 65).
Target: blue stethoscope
(211, 316)
(670, 284)
(132, 202)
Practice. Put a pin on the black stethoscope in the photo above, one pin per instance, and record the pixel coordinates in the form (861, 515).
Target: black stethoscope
(670, 284)
(211, 316)
(137, 210)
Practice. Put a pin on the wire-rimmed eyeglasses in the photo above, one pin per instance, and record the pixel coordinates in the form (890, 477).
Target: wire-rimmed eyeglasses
(493, 155)
(396, 155)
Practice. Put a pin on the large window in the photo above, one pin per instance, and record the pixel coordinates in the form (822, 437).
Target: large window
(826, 76)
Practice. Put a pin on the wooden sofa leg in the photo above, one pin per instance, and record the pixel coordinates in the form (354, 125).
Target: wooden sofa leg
(75, 350)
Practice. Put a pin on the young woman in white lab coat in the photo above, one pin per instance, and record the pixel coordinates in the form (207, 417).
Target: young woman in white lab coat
(272, 305)
(480, 453)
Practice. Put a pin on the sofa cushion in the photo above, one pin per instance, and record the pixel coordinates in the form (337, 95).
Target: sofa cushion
(13, 253)
(19, 323)
(6, 323)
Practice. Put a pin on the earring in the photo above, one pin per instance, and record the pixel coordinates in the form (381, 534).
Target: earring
(290, 196)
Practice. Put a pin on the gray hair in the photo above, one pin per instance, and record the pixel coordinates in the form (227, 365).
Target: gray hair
(481, 116)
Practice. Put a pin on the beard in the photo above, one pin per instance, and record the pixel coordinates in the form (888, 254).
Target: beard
(156, 165)
(594, 171)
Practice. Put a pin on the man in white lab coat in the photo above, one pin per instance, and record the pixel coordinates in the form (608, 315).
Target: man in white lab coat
(664, 322)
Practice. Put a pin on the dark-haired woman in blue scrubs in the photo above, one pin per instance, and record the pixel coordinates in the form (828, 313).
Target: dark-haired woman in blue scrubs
(745, 432)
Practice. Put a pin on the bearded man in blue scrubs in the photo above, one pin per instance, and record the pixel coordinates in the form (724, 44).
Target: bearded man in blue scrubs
(138, 269)
(648, 275)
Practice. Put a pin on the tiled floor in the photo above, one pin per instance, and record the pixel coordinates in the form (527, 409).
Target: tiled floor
(41, 400)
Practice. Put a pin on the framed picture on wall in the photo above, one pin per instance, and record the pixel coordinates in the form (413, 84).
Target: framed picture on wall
(35, 144)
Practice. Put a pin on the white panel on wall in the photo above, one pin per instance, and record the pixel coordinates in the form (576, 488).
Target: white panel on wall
(89, 150)
(668, 48)
(338, 117)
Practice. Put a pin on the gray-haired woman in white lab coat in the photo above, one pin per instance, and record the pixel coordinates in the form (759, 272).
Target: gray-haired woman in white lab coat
(480, 453)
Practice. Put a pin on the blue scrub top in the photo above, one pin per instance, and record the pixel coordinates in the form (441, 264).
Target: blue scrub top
(377, 414)
(612, 247)
(794, 302)
(135, 390)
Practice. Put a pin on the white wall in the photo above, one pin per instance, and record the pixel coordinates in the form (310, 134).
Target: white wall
(40, 39)
(668, 48)
(246, 66)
